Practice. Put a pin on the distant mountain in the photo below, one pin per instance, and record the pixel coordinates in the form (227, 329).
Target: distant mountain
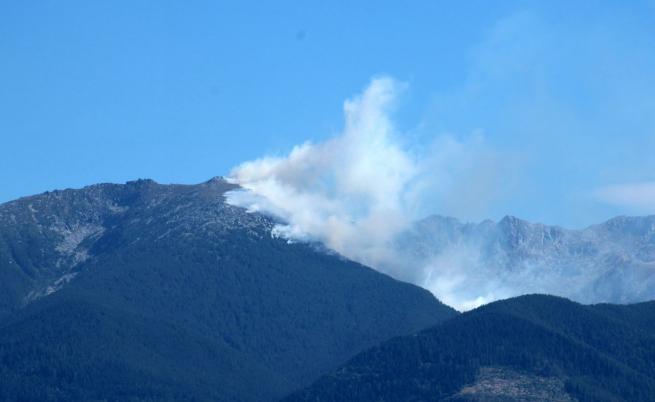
(469, 264)
(149, 292)
(530, 348)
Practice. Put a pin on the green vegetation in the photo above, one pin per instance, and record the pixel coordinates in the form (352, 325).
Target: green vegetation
(602, 353)
(181, 297)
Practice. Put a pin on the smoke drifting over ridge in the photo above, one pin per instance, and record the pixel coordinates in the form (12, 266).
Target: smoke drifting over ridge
(358, 191)
(364, 194)
(353, 192)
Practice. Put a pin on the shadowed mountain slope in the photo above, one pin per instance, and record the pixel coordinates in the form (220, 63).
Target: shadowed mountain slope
(529, 348)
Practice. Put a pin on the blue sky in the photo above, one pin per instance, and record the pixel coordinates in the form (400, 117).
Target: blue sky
(557, 94)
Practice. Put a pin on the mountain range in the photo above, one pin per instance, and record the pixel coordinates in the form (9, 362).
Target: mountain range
(149, 292)
(468, 264)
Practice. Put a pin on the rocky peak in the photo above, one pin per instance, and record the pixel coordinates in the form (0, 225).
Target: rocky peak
(71, 226)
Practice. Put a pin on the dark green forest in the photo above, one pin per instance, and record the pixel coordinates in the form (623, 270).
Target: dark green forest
(178, 296)
(601, 352)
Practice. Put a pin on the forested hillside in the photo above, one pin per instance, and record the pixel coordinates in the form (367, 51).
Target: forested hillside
(149, 292)
(527, 348)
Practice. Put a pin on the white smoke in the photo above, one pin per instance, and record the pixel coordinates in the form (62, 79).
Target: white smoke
(352, 192)
(357, 191)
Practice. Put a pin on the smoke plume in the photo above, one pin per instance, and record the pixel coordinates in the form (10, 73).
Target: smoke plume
(357, 191)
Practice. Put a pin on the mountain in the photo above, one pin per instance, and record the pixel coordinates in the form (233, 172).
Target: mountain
(612, 262)
(529, 348)
(150, 292)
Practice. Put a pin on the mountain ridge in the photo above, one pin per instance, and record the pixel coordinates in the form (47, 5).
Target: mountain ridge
(613, 261)
(508, 350)
(178, 258)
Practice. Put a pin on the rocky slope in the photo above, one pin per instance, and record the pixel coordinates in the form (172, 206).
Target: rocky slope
(468, 264)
